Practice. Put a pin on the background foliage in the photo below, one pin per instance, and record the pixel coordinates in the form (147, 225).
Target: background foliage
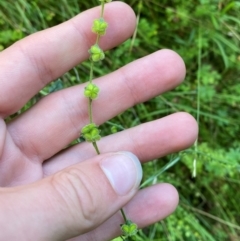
(206, 33)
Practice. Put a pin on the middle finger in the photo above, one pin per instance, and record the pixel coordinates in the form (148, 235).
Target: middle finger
(64, 113)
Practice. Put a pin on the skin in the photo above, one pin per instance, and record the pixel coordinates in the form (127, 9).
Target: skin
(34, 174)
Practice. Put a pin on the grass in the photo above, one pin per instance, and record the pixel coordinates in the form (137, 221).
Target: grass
(206, 33)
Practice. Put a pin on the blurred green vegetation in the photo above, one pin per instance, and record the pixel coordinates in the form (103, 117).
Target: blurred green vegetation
(206, 33)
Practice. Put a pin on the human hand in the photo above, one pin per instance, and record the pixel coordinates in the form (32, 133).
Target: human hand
(53, 195)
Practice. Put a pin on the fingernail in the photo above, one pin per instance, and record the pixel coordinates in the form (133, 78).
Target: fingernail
(123, 170)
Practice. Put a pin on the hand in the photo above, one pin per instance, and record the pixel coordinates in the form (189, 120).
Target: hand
(53, 195)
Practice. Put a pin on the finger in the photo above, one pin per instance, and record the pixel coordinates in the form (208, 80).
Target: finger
(42, 57)
(147, 207)
(147, 141)
(64, 113)
(72, 202)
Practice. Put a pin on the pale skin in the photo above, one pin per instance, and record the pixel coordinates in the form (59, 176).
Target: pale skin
(38, 200)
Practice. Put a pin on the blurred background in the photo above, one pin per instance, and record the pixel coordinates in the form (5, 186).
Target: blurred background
(206, 33)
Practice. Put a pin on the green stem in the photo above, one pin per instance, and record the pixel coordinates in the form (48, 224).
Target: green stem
(90, 110)
(124, 215)
(91, 72)
(98, 38)
(194, 174)
(90, 103)
(102, 11)
(96, 147)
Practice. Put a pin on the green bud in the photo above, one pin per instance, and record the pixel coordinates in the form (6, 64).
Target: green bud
(96, 53)
(129, 228)
(114, 129)
(88, 128)
(91, 133)
(99, 26)
(91, 91)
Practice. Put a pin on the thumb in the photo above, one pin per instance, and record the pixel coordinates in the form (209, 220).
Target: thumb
(71, 202)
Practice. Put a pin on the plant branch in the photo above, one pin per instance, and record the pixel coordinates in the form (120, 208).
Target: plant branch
(96, 147)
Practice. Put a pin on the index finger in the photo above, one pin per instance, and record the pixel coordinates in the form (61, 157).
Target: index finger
(28, 65)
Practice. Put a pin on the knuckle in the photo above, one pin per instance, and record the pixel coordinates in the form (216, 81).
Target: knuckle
(76, 189)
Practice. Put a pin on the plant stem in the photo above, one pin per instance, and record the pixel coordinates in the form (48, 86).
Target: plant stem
(124, 215)
(97, 41)
(194, 174)
(91, 72)
(90, 110)
(96, 147)
(102, 11)
(90, 104)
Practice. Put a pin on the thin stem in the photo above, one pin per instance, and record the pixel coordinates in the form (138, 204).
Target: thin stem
(90, 110)
(194, 174)
(102, 11)
(91, 72)
(136, 29)
(199, 71)
(124, 215)
(90, 104)
(98, 38)
(96, 147)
